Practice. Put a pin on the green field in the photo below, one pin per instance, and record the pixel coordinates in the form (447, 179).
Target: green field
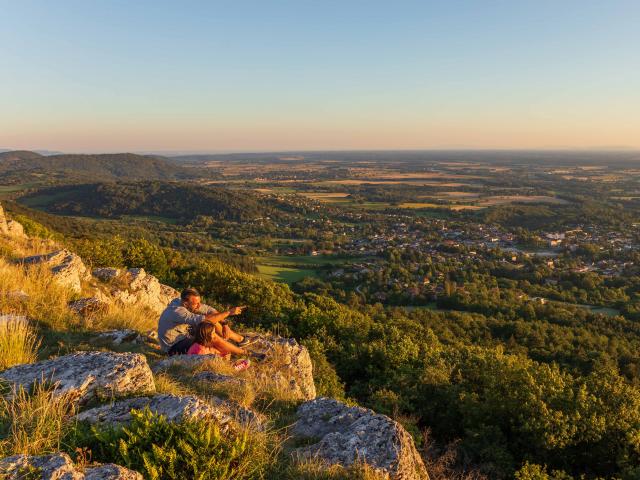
(289, 269)
(284, 274)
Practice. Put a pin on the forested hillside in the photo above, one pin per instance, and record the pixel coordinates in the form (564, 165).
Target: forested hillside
(460, 375)
(21, 166)
(170, 200)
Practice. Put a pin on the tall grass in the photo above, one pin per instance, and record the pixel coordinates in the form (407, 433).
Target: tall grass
(44, 300)
(33, 423)
(315, 469)
(132, 317)
(18, 341)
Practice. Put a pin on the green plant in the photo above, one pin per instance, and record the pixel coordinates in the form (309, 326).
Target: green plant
(194, 449)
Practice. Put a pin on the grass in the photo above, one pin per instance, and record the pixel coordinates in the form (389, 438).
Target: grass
(18, 341)
(32, 292)
(284, 274)
(33, 423)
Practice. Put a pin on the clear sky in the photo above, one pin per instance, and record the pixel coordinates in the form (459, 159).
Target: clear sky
(137, 75)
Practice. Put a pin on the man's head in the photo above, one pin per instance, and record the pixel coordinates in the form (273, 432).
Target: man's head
(190, 299)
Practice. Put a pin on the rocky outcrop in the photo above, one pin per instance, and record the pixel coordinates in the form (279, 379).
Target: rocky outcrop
(67, 267)
(289, 363)
(89, 306)
(136, 287)
(349, 434)
(87, 375)
(59, 466)
(118, 337)
(174, 408)
(17, 295)
(10, 227)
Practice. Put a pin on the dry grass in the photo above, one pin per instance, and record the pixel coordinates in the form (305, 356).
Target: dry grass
(313, 469)
(119, 317)
(167, 384)
(19, 342)
(32, 292)
(34, 423)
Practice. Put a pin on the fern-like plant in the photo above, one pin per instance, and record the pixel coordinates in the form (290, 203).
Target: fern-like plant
(163, 450)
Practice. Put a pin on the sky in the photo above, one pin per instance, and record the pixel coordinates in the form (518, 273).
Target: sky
(270, 75)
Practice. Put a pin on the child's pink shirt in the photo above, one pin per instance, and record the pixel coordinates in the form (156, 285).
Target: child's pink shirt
(197, 349)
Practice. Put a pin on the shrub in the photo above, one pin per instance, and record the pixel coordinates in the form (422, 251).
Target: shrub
(194, 449)
(18, 341)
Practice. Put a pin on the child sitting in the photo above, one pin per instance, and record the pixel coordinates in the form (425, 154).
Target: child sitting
(207, 342)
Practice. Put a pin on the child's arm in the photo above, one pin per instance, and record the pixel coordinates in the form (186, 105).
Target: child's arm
(227, 347)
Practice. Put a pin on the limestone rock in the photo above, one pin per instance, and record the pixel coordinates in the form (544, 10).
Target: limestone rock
(118, 337)
(184, 361)
(88, 306)
(175, 408)
(106, 274)
(58, 466)
(218, 378)
(289, 361)
(10, 317)
(348, 434)
(10, 227)
(137, 287)
(67, 267)
(88, 375)
(19, 295)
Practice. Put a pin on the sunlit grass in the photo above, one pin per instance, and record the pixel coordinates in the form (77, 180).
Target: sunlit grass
(18, 341)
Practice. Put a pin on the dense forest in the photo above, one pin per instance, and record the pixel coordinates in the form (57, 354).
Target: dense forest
(177, 201)
(542, 389)
(21, 166)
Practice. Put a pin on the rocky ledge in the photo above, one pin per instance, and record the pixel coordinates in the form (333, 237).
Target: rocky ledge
(286, 364)
(174, 408)
(349, 434)
(10, 227)
(87, 375)
(59, 466)
(136, 287)
(68, 268)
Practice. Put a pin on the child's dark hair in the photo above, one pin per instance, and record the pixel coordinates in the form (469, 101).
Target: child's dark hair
(204, 333)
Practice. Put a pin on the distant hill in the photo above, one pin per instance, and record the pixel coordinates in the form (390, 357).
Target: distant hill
(21, 165)
(178, 201)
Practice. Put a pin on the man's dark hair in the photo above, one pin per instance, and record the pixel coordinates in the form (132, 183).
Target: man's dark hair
(189, 292)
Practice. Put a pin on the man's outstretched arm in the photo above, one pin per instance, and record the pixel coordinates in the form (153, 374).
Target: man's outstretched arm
(215, 317)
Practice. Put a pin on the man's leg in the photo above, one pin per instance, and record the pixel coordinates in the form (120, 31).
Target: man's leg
(228, 334)
(181, 347)
(222, 345)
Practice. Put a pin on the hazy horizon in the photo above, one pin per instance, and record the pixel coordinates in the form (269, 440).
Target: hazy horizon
(221, 77)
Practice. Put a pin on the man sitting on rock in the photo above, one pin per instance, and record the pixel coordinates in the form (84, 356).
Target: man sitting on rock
(176, 324)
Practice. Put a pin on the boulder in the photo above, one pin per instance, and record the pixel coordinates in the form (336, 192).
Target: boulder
(106, 274)
(287, 364)
(10, 227)
(137, 287)
(67, 267)
(18, 295)
(87, 375)
(88, 306)
(58, 466)
(118, 337)
(349, 434)
(213, 377)
(174, 408)
(289, 361)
